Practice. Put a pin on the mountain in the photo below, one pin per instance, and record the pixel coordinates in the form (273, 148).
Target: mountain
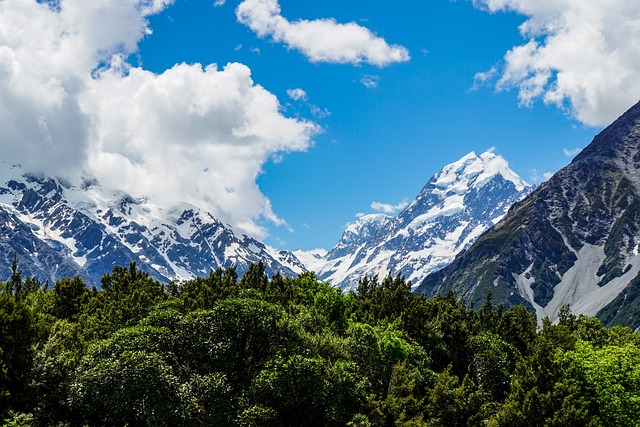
(457, 204)
(573, 241)
(60, 230)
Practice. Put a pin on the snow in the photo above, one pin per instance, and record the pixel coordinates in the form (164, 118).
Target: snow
(579, 285)
(429, 233)
(312, 260)
(476, 171)
(524, 282)
(374, 219)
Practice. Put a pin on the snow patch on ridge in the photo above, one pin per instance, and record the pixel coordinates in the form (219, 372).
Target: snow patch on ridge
(579, 286)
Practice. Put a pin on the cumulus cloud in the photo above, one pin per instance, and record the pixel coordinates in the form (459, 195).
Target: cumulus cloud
(388, 208)
(321, 40)
(581, 56)
(297, 94)
(48, 52)
(70, 105)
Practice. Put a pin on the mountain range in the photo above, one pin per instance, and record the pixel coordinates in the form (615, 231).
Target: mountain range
(58, 230)
(574, 241)
(475, 227)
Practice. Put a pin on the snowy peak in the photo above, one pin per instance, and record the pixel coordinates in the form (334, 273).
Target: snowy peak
(460, 187)
(473, 171)
(451, 211)
(357, 233)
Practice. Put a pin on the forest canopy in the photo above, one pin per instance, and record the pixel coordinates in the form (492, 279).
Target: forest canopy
(260, 351)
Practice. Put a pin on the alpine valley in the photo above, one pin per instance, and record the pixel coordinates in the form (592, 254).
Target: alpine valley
(57, 230)
(475, 227)
(574, 240)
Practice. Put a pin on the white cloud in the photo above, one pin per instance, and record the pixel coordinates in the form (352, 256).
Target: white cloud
(370, 81)
(480, 79)
(297, 94)
(387, 208)
(219, 3)
(300, 95)
(582, 56)
(321, 40)
(319, 113)
(71, 105)
(46, 59)
(571, 153)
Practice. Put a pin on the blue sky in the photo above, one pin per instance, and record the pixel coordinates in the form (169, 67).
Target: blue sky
(524, 77)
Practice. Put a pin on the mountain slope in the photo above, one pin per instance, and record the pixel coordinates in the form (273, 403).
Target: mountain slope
(59, 230)
(450, 212)
(572, 241)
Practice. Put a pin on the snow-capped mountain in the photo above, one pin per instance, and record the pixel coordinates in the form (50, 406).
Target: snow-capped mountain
(459, 203)
(575, 240)
(59, 230)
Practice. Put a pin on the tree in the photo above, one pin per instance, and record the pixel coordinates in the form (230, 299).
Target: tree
(16, 354)
(69, 297)
(134, 388)
(610, 378)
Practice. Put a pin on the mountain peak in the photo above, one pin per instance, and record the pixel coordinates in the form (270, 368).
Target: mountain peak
(473, 171)
(456, 205)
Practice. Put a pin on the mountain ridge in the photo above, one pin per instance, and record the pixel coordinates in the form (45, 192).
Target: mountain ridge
(86, 230)
(572, 241)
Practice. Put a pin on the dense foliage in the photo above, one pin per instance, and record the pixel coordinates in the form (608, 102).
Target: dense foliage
(259, 351)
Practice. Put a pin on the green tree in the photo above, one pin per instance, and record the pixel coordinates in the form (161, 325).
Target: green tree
(134, 388)
(69, 297)
(17, 336)
(610, 377)
(236, 337)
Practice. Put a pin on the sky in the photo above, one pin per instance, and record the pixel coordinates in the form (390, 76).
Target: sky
(288, 118)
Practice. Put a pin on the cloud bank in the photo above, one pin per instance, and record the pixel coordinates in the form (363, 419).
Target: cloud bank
(70, 106)
(321, 40)
(582, 56)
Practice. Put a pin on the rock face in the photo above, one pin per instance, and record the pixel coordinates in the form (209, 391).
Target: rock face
(573, 241)
(58, 230)
(460, 202)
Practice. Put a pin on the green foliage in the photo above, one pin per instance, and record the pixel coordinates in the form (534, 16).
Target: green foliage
(17, 335)
(236, 337)
(609, 377)
(260, 351)
(135, 388)
(69, 295)
(54, 365)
